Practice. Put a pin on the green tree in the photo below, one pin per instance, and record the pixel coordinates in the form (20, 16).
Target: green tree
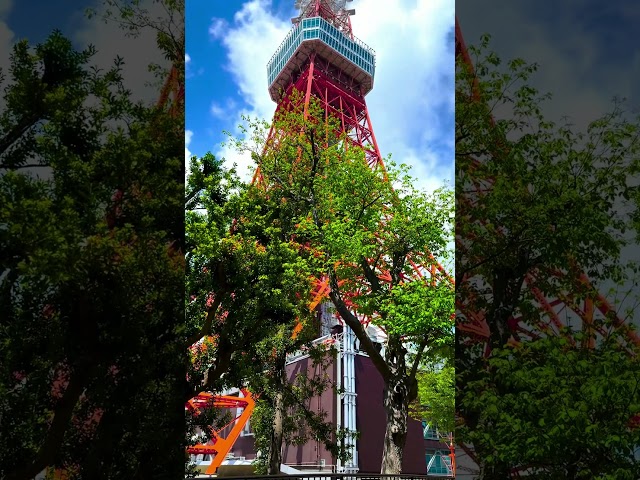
(435, 402)
(558, 410)
(534, 198)
(248, 291)
(365, 235)
(244, 278)
(93, 360)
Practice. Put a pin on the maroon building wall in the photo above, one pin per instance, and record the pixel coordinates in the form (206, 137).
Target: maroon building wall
(313, 452)
(244, 447)
(371, 422)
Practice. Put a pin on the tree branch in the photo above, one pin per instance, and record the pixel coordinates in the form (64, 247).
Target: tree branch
(355, 325)
(61, 419)
(206, 328)
(370, 275)
(222, 365)
(416, 362)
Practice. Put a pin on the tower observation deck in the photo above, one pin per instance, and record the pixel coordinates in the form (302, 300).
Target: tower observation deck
(321, 57)
(327, 37)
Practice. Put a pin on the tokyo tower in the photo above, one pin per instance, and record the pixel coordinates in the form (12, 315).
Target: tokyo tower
(320, 58)
(580, 305)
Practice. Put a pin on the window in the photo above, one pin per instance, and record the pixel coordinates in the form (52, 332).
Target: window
(430, 431)
(438, 462)
(247, 429)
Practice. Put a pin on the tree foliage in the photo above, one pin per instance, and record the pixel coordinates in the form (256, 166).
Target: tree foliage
(546, 197)
(365, 236)
(435, 402)
(558, 410)
(93, 363)
(248, 294)
(538, 201)
(245, 278)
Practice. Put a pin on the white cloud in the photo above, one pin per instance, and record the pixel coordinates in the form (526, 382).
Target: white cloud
(5, 7)
(218, 27)
(7, 39)
(217, 110)
(187, 66)
(110, 41)
(188, 135)
(250, 43)
(413, 83)
(223, 111)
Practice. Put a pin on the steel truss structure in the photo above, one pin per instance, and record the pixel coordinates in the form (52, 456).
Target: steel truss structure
(219, 446)
(581, 306)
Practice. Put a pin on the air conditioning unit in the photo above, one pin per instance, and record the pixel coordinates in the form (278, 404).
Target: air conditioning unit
(322, 463)
(242, 459)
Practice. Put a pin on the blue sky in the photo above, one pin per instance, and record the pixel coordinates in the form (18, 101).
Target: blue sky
(411, 105)
(66, 15)
(586, 49)
(36, 19)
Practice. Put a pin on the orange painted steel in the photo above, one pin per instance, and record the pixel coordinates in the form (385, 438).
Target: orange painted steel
(220, 446)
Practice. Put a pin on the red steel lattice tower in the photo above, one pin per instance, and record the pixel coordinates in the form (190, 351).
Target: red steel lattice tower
(321, 57)
(580, 306)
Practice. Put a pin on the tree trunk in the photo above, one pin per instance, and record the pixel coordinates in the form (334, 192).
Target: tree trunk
(275, 446)
(396, 405)
(277, 432)
(398, 394)
(494, 472)
(399, 391)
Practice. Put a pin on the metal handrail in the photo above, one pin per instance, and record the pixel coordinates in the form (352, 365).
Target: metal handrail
(337, 476)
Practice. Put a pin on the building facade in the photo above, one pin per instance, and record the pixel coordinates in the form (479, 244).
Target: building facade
(359, 408)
